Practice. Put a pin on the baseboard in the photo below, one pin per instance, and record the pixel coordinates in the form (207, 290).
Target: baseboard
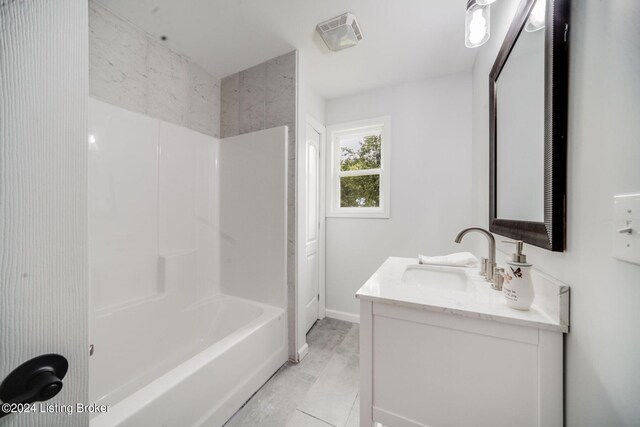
(342, 315)
(390, 419)
(302, 351)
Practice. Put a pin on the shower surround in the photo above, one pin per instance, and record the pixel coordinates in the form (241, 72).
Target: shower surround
(187, 268)
(137, 71)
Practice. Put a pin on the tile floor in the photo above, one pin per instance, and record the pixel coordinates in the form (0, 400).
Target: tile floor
(320, 391)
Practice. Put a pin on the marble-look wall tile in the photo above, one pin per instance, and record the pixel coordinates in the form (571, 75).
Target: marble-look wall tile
(280, 99)
(117, 60)
(291, 173)
(261, 97)
(230, 106)
(168, 87)
(252, 98)
(131, 69)
(203, 107)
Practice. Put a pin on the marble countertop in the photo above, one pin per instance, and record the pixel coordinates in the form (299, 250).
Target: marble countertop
(550, 309)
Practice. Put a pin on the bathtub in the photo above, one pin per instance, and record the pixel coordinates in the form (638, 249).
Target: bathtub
(194, 369)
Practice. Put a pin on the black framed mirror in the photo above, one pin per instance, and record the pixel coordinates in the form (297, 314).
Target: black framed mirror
(528, 88)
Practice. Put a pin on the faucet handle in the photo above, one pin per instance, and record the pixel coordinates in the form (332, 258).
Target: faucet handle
(498, 279)
(483, 266)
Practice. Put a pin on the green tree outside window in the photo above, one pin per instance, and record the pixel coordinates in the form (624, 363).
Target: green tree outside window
(362, 190)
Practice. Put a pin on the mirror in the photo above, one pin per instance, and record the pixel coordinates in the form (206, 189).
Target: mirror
(528, 115)
(520, 131)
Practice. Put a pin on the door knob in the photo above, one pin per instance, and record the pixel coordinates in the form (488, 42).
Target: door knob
(36, 380)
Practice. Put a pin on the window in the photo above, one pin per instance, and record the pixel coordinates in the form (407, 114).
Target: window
(359, 169)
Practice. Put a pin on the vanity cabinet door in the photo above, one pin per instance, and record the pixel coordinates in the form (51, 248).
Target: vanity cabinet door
(432, 369)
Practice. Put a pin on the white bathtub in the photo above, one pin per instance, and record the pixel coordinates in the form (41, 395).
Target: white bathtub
(196, 371)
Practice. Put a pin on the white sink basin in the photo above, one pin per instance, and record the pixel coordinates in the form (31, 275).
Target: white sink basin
(437, 278)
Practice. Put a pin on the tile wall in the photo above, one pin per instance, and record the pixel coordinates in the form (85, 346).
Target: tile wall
(133, 70)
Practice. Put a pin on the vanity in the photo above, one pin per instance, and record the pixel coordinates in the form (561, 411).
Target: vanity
(439, 347)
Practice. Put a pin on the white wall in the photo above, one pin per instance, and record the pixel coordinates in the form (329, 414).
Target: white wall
(430, 181)
(603, 347)
(253, 215)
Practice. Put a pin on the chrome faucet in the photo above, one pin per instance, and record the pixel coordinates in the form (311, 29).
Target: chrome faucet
(491, 262)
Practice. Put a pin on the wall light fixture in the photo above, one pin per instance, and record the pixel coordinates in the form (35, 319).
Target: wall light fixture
(477, 23)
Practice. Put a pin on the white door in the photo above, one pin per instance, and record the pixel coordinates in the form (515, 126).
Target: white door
(310, 291)
(43, 205)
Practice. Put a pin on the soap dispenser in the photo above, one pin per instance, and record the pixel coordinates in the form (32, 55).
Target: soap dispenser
(518, 286)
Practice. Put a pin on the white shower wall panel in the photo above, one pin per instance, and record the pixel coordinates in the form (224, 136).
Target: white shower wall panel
(123, 205)
(153, 193)
(188, 188)
(253, 215)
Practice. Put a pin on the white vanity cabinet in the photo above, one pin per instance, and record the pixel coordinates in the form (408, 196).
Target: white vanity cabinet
(436, 358)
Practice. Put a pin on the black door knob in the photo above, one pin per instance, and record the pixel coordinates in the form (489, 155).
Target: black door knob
(36, 380)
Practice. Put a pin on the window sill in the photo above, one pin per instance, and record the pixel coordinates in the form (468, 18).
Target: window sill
(359, 215)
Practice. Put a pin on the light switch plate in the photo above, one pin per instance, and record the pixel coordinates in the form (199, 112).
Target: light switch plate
(626, 228)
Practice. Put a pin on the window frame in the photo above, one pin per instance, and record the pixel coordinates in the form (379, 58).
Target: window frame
(334, 173)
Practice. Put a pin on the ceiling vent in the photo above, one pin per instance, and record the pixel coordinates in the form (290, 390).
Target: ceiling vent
(340, 32)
